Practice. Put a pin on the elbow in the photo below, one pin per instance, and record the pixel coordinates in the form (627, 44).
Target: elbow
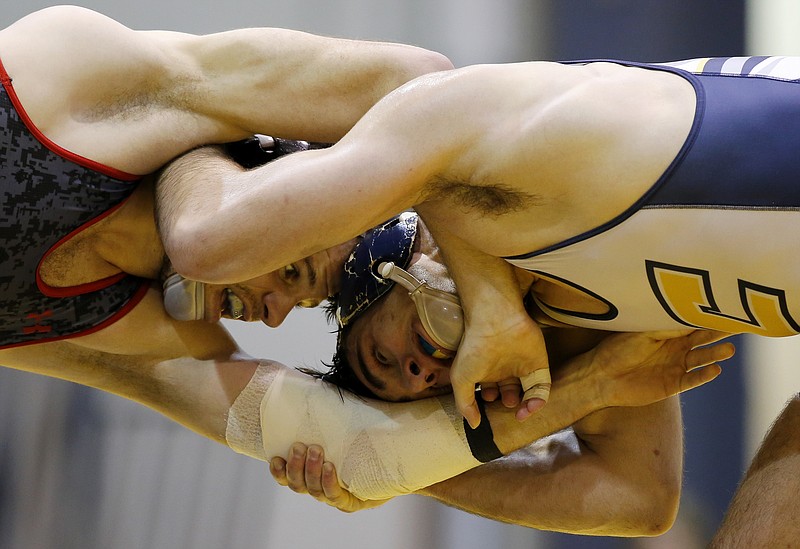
(656, 511)
(181, 249)
(417, 63)
(191, 251)
(645, 510)
(660, 521)
(429, 61)
(189, 206)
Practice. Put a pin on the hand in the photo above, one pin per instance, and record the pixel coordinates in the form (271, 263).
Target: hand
(500, 340)
(642, 368)
(502, 345)
(509, 391)
(307, 472)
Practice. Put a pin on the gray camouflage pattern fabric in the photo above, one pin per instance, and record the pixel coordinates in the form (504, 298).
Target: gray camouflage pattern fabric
(45, 197)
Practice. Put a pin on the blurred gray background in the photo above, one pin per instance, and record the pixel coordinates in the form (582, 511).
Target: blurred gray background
(80, 469)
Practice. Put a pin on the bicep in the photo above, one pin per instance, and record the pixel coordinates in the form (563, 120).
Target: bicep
(85, 56)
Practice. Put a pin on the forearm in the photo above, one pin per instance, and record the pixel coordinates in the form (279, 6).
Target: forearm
(210, 208)
(195, 393)
(200, 202)
(610, 482)
(575, 394)
(409, 445)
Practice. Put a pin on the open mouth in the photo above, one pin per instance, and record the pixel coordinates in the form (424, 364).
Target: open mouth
(232, 306)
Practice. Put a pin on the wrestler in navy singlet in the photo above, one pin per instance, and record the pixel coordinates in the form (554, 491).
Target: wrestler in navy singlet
(714, 243)
(49, 194)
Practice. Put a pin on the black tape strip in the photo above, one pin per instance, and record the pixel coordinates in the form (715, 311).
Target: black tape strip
(481, 440)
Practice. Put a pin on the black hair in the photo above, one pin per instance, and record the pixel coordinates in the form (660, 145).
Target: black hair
(340, 371)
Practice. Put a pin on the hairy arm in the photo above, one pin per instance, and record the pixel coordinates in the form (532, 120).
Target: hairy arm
(282, 212)
(627, 370)
(308, 201)
(616, 473)
(762, 512)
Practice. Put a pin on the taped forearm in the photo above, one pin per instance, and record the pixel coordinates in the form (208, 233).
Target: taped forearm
(380, 449)
(383, 449)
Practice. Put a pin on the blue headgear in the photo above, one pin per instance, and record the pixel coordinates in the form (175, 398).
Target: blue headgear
(362, 284)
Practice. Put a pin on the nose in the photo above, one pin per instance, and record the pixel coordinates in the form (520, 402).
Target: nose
(276, 308)
(423, 372)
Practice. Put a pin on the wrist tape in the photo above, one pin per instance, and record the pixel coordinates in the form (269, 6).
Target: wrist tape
(380, 449)
(481, 439)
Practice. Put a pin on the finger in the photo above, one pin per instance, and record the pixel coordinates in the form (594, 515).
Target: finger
(510, 391)
(669, 334)
(336, 495)
(313, 470)
(700, 376)
(489, 392)
(464, 394)
(330, 482)
(703, 356)
(295, 468)
(536, 384)
(529, 407)
(705, 337)
(277, 467)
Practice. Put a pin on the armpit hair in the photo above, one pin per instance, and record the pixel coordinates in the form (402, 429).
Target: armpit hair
(492, 200)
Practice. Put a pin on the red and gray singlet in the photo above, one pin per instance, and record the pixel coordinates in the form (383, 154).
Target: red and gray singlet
(49, 195)
(714, 243)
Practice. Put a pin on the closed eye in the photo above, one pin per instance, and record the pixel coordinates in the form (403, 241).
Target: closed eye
(289, 273)
(382, 360)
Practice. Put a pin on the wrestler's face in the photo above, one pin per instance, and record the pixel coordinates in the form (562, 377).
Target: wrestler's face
(390, 351)
(270, 298)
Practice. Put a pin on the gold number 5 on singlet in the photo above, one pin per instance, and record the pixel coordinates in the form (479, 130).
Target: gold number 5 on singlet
(687, 296)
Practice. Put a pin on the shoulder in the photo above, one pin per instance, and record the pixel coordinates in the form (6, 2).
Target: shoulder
(61, 28)
(482, 97)
(80, 51)
(430, 114)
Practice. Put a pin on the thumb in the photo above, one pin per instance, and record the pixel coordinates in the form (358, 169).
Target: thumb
(464, 394)
(537, 390)
(537, 384)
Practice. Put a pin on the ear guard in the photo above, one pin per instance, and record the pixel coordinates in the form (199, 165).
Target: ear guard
(362, 284)
(261, 149)
(378, 262)
(184, 299)
(440, 312)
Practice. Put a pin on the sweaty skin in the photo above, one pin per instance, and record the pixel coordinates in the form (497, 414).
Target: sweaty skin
(169, 92)
(560, 127)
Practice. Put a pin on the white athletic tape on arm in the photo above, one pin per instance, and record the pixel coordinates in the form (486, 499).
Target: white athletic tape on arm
(243, 432)
(380, 449)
